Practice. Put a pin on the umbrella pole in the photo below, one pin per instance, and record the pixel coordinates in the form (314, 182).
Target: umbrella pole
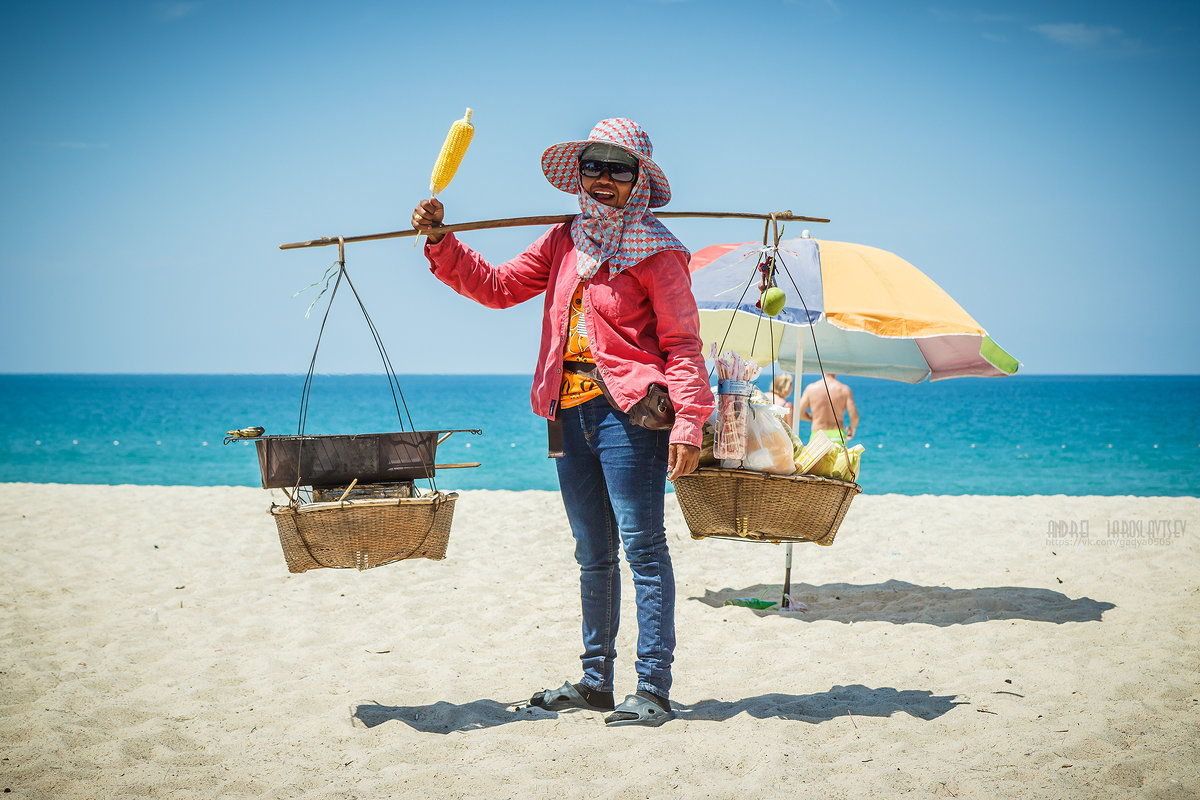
(787, 576)
(797, 385)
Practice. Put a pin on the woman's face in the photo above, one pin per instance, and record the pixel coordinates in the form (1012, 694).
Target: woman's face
(604, 189)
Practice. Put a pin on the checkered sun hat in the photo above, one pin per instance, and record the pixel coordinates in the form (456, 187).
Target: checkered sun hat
(560, 162)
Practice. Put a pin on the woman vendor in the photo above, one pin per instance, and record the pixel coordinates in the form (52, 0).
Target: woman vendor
(621, 377)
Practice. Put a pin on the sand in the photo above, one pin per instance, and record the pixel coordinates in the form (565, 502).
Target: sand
(154, 645)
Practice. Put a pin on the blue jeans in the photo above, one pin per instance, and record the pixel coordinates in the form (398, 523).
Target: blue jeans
(613, 478)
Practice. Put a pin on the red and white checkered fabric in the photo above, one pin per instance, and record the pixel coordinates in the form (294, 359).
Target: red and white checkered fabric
(560, 162)
(621, 237)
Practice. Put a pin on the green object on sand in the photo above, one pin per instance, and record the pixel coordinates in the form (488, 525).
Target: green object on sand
(750, 602)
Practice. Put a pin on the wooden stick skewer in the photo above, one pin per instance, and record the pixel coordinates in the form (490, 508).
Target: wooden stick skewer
(550, 219)
(353, 483)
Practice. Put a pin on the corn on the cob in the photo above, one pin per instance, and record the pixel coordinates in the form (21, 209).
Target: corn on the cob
(453, 150)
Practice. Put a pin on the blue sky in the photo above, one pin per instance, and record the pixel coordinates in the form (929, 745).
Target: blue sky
(1038, 160)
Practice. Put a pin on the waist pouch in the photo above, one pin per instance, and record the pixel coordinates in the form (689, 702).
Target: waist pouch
(653, 412)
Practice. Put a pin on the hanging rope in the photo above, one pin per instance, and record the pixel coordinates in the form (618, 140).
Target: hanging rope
(398, 399)
(769, 262)
(816, 349)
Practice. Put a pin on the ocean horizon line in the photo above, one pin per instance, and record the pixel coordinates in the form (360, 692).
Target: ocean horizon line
(1032, 434)
(1089, 375)
(670, 490)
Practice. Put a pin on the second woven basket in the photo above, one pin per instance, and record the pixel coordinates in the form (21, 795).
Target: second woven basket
(739, 504)
(364, 533)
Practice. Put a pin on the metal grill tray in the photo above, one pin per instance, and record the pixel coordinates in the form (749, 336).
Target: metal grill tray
(287, 461)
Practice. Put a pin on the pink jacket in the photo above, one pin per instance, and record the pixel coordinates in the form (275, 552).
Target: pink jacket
(642, 323)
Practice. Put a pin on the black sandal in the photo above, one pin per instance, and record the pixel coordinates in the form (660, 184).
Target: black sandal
(568, 696)
(639, 709)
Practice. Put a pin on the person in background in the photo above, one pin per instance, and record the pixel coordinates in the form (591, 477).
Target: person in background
(781, 390)
(826, 403)
(621, 377)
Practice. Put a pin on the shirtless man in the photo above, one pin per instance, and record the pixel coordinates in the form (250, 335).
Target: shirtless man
(814, 407)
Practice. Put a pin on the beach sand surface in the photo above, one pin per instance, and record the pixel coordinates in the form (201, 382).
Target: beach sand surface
(974, 647)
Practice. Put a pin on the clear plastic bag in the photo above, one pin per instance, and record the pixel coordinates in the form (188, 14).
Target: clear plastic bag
(769, 445)
(839, 463)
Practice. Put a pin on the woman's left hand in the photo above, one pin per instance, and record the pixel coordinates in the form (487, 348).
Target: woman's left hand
(682, 459)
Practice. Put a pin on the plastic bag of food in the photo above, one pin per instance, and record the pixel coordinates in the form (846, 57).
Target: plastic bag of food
(845, 466)
(768, 444)
(828, 462)
(839, 463)
(797, 442)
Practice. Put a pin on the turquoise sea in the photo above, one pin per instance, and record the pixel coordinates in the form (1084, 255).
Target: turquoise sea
(1074, 435)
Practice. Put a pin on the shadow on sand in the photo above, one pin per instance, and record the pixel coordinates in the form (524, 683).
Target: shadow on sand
(443, 717)
(840, 701)
(900, 602)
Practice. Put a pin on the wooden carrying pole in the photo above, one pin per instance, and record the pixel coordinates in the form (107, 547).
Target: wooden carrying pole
(551, 219)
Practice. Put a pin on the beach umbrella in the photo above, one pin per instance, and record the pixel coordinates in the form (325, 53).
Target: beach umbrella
(858, 309)
(871, 312)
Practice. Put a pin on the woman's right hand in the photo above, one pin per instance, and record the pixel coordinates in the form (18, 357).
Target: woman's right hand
(428, 215)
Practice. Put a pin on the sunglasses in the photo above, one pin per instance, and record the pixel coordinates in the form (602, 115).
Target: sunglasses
(621, 173)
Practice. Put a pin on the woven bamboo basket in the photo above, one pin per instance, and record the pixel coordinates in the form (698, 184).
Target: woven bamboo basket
(757, 506)
(364, 533)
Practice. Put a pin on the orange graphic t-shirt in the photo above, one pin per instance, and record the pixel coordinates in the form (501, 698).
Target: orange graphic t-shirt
(576, 388)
